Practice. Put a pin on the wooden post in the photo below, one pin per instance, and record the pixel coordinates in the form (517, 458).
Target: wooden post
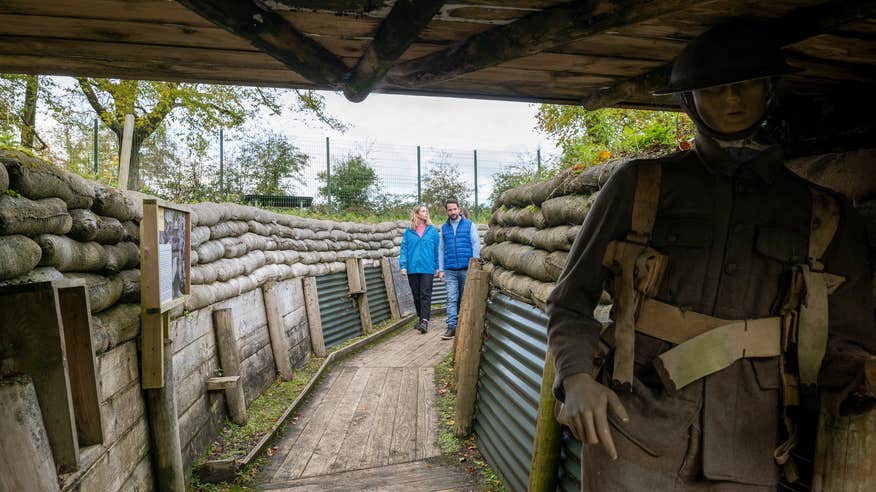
(229, 360)
(125, 154)
(76, 315)
(548, 435)
(459, 340)
(390, 288)
(164, 428)
(152, 331)
(471, 321)
(277, 330)
(844, 454)
(359, 290)
(25, 457)
(314, 320)
(33, 343)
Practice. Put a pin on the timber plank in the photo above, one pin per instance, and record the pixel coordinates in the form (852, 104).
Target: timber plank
(295, 463)
(355, 440)
(427, 416)
(298, 425)
(379, 440)
(328, 447)
(417, 475)
(404, 428)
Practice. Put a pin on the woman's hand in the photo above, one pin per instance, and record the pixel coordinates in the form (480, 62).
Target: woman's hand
(585, 411)
(404, 272)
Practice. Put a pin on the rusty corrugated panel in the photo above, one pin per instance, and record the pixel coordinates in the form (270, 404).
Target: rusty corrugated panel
(378, 302)
(340, 317)
(508, 387)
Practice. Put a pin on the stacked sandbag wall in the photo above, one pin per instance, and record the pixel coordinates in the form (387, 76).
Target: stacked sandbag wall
(55, 225)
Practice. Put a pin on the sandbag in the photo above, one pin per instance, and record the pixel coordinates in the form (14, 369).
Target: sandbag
(36, 178)
(103, 291)
(849, 173)
(68, 255)
(568, 209)
(20, 255)
(111, 202)
(130, 285)
(199, 235)
(4, 178)
(37, 275)
(121, 256)
(558, 238)
(228, 229)
(88, 226)
(589, 180)
(210, 251)
(20, 215)
(132, 231)
(115, 326)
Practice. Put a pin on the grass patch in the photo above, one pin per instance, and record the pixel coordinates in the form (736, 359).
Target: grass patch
(463, 451)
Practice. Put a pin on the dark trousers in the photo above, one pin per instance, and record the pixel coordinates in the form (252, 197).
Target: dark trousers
(421, 288)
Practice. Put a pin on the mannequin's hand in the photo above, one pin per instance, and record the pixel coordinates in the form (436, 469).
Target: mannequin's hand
(585, 411)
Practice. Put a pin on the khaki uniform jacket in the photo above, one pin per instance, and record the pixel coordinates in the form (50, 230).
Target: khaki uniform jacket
(731, 232)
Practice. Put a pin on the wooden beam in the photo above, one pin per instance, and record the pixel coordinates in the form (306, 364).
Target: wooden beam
(468, 360)
(222, 383)
(386, 268)
(164, 428)
(314, 320)
(357, 6)
(396, 33)
(275, 36)
(229, 361)
(796, 26)
(528, 36)
(548, 434)
(277, 330)
(25, 457)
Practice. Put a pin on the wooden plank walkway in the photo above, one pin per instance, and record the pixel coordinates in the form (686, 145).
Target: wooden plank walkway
(372, 424)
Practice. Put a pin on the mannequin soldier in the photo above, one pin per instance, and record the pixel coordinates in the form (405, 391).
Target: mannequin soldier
(725, 270)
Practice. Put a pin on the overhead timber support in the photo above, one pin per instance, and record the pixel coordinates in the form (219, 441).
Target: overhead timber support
(530, 35)
(798, 25)
(402, 26)
(270, 32)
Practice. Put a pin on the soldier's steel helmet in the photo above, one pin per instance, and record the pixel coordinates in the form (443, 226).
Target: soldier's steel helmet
(726, 54)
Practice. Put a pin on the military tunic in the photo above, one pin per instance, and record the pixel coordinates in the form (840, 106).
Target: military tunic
(731, 231)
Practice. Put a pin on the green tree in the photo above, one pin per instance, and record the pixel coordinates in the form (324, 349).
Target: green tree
(443, 181)
(353, 185)
(267, 165)
(200, 108)
(19, 98)
(588, 137)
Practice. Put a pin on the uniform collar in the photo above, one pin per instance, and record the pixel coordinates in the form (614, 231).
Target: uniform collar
(766, 163)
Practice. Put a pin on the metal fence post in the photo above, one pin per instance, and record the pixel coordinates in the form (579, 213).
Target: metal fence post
(538, 160)
(221, 161)
(419, 179)
(95, 146)
(328, 173)
(476, 184)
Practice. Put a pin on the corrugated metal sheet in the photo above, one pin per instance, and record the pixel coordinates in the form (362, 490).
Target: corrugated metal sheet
(340, 317)
(378, 302)
(439, 292)
(508, 387)
(570, 464)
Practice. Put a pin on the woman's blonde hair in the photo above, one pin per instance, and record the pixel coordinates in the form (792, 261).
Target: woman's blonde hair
(414, 222)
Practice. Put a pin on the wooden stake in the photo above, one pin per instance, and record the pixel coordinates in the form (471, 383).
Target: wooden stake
(390, 288)
(164, 428)
(314, 320)
(458, 342)
(359, 290)
(229, 360)
(277, 330)
(548, 436)
(471, 320)
(844, 454)
(25, 456)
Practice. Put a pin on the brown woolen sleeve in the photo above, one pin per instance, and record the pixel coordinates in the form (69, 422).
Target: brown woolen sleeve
(573, 331)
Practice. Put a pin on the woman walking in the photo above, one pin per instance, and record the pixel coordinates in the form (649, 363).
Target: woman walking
(419, 262)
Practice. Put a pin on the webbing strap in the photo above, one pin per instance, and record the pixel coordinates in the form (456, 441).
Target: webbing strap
(646, 200)
(717, 349)
(823, 226)
(669, 323)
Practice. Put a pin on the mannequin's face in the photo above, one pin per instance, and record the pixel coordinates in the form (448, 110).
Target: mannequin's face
(733, 107)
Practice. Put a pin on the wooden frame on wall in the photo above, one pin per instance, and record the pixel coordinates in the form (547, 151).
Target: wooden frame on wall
(165, 281)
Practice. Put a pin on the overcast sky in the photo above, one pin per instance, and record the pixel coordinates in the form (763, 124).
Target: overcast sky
(431, 121)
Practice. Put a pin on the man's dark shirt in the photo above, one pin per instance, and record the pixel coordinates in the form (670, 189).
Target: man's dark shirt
(731, 232)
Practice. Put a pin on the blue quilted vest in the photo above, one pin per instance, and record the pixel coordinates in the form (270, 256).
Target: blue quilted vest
(457, 247)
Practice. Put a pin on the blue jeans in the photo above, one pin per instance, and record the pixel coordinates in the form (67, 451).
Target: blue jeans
(455, 280)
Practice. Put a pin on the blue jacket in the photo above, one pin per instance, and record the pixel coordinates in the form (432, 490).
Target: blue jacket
(458, 247)
(419, 254)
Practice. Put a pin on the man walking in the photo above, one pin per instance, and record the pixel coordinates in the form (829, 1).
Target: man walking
(458, 244)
